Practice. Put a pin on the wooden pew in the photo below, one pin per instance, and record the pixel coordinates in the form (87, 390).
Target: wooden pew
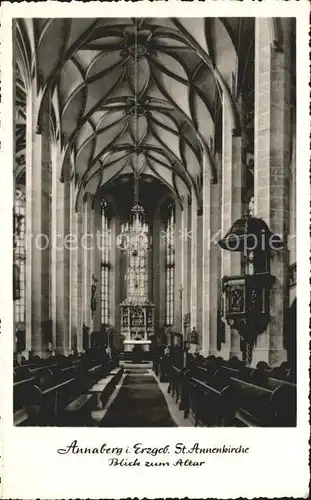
(21, 373)
(265, 407)
(96, 371)
(264, 378)
(175, 382)
(257, 398)
(78, 412)
(46, 396)
(213, 403)
(21, 392)
(44, 393)
(39, 369)
(263, 400)
(208, 394)
(58, 394)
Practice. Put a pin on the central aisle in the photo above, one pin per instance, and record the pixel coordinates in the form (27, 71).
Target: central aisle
(139, 402)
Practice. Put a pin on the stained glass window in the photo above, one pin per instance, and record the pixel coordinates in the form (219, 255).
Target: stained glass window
(105, 265)
(136, 233)
(137, 275)
(19, 257)
(170, 266)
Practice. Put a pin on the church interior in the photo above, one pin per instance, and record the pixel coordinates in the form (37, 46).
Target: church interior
(154, 251)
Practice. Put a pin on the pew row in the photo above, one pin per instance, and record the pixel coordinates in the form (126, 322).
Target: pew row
(219, 396)
(54, 395)
(82, 411)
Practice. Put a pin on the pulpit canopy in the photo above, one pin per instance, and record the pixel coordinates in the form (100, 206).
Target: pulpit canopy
(249, 234)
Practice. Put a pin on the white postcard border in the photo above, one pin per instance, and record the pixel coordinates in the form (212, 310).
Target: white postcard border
(277, 464)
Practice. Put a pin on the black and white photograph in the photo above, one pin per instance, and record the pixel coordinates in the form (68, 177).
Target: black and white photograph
(154, 213)
(154, 230)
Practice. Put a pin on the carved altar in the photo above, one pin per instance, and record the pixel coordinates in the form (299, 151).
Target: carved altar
(137, 325)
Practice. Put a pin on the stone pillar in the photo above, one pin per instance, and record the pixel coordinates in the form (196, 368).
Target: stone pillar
(61, 249)
(200, 305)
(159, 290)
(75, 275)
(206, 262)
(178, 270)
(87, 245)
(162, 274)
(61, 231)
(211, 260)
(189, 247)
(155, 266)
(79, 270)
(14, 261)
(185, 237)
(237, 209)
(150, 266)
(232, 180)
(92, 260)
(215, 263)
(292, 228)
(112, 272)
(96, 256)
(116, 275)
(293, 201)
(38, 242)
(272, 170)
(55, 154)
(156, 274)
(122, 259)
(72, 245)
(194, 268)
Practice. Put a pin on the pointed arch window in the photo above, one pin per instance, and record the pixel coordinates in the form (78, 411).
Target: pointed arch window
(170, 265)
(19, 276)
(105, 264)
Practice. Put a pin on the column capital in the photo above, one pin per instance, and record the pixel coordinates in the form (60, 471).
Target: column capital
(65, 176)
(79, 216)
(200, 211)
(87, 197)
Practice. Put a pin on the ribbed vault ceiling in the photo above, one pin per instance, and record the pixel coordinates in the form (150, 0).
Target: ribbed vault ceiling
(130, 95)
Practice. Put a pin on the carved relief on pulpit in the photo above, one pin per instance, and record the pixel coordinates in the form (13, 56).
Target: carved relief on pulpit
(236, 303)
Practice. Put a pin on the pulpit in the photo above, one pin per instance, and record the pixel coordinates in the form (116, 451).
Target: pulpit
(245, 302)
(137, 325)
